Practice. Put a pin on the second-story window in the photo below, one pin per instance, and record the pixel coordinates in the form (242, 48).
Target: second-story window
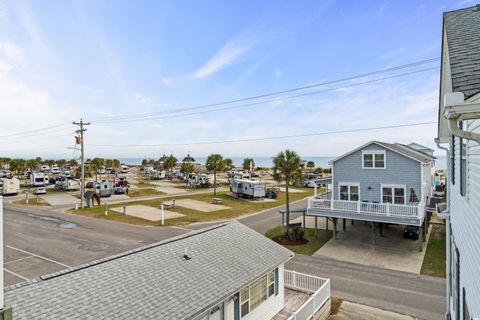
(373, 159)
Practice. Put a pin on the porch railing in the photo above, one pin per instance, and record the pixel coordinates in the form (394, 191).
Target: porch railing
(318, 287)
(385, 209)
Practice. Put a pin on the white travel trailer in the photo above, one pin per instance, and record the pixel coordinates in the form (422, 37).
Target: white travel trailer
(104, 188)
(54, 169)
(67, 184)
(245, 188)
(124, 168)
(9, 186)
(38, 179)
(44, 168)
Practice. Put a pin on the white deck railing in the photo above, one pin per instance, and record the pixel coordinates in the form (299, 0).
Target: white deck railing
(384, 209)
(318, 287)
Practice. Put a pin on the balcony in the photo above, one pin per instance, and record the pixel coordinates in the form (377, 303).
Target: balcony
(367, 211)
(305, 295)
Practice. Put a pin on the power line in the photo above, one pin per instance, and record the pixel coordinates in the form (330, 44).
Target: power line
(318, 84)
(270, 138)
(36, 131)
(276, 99)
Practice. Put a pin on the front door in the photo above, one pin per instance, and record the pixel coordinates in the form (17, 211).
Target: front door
(216, 313)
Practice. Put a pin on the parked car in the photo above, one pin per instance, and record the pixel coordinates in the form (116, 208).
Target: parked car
(40, 190)
(411, 232)
(119, 190)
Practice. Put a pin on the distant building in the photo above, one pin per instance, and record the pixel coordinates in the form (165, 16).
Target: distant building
(458, 134)
(225, 272)
(421, 148)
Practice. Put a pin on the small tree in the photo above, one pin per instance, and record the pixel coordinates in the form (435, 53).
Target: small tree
(311, 165)
(170, 163)
(228, 164)
(116, 163)
(215, 163)
(247, 162)
(287, 166)
(73, 163)
(187, 168)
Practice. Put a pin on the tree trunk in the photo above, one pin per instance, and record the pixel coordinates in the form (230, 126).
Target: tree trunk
(287, 207)
(214, 183)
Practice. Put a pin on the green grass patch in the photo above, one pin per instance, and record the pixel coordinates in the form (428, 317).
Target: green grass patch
(33, 202)
(314, 242)
(434, 261)
(238, 207)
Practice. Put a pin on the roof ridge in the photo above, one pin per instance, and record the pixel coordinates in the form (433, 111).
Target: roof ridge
(461, 9)
(66, 271)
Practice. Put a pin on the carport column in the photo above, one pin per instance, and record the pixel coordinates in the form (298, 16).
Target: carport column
(316, 226)
(335, 228)
(344, 225)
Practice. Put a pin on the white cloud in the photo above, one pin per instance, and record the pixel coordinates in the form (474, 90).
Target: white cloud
(167, 81)
(278, 73)
(226, 56)
(12, 53)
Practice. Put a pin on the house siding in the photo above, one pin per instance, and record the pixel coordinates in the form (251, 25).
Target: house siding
(269, 308)
(465, 221)
(399, 169)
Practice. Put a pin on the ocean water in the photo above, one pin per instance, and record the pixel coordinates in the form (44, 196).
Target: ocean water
(322, 162)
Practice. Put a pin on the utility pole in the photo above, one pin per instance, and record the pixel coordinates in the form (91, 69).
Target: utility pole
(82, 158)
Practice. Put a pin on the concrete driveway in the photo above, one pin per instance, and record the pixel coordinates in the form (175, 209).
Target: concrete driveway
(355, 245)
(60, 199)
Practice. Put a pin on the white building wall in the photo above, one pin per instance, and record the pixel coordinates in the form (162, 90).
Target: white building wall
(269, 308)
(465, 221)
(229, 310)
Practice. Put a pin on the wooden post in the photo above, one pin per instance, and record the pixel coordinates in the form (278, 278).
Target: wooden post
(316, 226)
(381, 229)
(304, 226)
(335, 228)
(344, 225)
(374, 229)
(424, 231)
(326, 223)
(420, 240)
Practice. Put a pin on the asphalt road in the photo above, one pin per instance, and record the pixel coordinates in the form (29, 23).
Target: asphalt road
(39, 241)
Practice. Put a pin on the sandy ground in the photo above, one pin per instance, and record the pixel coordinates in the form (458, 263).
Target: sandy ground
(392, 251)
(148, 213)
(354, 311)
(200, 205)
(170, 190)
(264, 200)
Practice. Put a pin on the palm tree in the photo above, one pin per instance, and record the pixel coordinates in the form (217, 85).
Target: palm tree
(97, 164)
(187, 168)
(116, 163)
(228, 164)
(215, 163)
(287, 166)
(18, 166)
(248, 163)
(169, 163)
(73, 163)
(61, 163)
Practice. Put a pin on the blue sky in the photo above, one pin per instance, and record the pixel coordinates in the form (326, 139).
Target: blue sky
(62, 60)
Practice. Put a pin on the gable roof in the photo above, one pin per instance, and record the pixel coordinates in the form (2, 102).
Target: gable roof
(155, 281)
(463, 40)
(395, 147)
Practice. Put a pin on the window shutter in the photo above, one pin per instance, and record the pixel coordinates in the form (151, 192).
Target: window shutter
(236, 307)
(276, 281)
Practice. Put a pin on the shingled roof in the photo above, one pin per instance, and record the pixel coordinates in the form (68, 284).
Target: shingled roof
(463, 39)
(155, 281)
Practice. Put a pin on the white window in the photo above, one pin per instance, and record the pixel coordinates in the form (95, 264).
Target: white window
(394, 194)
(372, 159)
(349, 191)
(256, 293)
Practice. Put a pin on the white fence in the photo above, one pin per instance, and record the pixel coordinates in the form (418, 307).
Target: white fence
(318, 287)
(385, 209)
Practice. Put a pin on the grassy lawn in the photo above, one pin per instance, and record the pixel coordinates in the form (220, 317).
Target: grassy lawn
(33, 202)
(134, 193)
(144, 184)
(434, 261)
(238, 207)
(314, 243)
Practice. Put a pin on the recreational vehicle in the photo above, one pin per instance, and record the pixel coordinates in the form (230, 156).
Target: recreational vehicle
(156, 174)
(104, 188)
(66, 183)
(9, 186)
(199, 180)
(44, 168)
(245, 188)
(54, 169)
(124, 169)
(38, 179)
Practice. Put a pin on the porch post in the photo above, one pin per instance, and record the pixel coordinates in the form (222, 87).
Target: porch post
(420, 240)
(374, 229)
(344, 225)
(381, 229)
(335, 228)
(352, 221)
(316, 226)
(304, 225)
(326, 223)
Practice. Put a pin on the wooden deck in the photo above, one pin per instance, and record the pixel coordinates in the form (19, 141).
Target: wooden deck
(293, 300)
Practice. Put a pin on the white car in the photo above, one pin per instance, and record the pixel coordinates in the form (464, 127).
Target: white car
(40, 190)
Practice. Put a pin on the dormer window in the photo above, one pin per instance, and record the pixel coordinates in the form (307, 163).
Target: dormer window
(372, 159)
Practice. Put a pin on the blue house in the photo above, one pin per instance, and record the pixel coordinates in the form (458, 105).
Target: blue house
(378, 182)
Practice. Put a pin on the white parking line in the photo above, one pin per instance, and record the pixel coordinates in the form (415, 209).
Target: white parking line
(36, 255)
(20, 259)
(15, 274)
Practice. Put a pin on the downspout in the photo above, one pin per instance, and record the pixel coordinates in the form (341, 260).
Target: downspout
(456, 131)
(447, 229)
